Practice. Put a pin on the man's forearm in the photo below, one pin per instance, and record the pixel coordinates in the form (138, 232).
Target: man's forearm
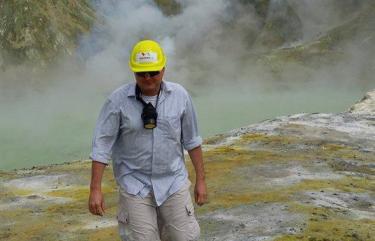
(97, 170)
(200, 190)
(197, 160)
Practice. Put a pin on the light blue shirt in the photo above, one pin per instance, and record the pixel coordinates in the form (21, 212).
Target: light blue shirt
(144, 159)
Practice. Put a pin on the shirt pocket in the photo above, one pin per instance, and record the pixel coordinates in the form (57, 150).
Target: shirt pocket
(130, 122)
(171, 127)
(168, 142)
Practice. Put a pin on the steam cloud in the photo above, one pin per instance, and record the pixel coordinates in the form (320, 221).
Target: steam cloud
(211, 44)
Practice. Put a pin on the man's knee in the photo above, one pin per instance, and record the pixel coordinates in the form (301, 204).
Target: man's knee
(131, 233)
(191, 232)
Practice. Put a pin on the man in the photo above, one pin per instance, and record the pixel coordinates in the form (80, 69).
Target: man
(144, 127)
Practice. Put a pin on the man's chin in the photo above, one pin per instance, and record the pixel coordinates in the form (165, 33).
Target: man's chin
(149, 89)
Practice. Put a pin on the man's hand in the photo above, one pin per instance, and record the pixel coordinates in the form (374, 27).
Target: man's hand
(96, 202)
(200, 193)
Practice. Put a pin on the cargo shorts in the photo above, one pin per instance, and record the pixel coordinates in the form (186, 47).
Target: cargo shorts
(140, 219)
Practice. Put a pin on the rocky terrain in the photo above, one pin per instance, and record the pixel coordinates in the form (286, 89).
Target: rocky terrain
(37, 32)
(308, 176)
(299, 177)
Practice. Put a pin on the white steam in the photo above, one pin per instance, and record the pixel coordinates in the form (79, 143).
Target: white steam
(211, 50)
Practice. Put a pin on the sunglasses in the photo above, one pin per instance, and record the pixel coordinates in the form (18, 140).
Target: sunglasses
(150, 73)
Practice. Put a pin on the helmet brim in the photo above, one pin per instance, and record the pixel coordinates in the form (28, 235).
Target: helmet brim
(145, 68)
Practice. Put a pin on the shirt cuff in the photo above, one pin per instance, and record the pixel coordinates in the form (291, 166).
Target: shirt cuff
(99, 158)
(193, 143)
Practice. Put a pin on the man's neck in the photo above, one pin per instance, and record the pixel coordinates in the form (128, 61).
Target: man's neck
(151, 93)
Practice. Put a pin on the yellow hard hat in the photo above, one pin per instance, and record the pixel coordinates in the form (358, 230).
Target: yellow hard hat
(147, 55)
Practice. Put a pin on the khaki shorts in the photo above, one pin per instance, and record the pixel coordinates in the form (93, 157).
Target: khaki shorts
(140, 219)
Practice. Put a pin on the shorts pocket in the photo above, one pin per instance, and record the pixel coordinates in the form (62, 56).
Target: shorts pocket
(122, 217)
(193, 232)
(189, 209)
(123, 225)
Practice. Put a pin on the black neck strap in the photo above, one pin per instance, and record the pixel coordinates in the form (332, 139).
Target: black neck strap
(139, 98)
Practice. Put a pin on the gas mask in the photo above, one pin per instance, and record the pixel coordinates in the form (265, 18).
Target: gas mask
(149, 114)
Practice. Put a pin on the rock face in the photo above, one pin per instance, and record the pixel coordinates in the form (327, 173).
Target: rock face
(366, 105)
(38, 31)
(298, 177)
(169, 7)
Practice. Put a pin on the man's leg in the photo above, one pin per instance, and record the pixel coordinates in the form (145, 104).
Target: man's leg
(179, 221)
(137, 218)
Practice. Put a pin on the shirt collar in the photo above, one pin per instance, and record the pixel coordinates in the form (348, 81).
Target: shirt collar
(165, 85)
